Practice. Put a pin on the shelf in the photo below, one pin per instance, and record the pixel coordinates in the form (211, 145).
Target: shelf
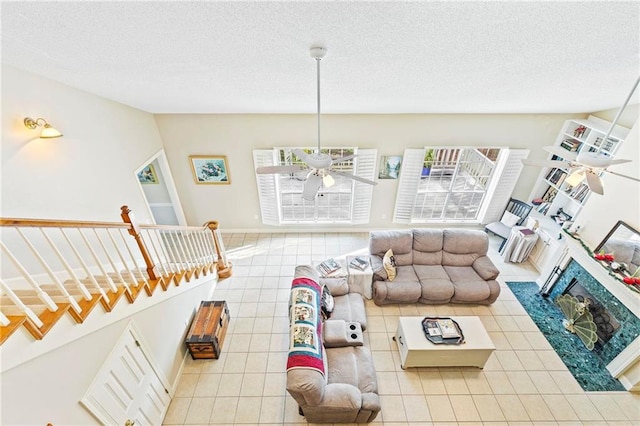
(575, 136)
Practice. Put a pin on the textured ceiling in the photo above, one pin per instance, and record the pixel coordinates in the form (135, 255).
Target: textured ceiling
(383, 57)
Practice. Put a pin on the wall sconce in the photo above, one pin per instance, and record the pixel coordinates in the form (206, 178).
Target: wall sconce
(48, 131)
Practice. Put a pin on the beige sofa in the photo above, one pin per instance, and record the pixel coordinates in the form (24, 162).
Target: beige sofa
(433, 266)
(347, 392)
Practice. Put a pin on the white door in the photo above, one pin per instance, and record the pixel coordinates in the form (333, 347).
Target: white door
(127, 388)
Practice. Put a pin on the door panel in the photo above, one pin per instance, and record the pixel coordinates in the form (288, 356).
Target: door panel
(127, 387)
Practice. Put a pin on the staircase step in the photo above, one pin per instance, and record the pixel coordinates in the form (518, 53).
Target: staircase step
(15, 321)
(71, 288)
(48, 318)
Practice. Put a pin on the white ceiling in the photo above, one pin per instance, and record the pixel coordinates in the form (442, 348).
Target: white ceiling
(383, 57)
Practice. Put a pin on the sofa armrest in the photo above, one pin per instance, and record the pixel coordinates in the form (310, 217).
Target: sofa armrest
(341, 396)
(339, 333)
(485, 268)
(379, 273)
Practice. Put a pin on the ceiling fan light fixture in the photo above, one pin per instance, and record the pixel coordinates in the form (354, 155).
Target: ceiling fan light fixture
(328, 181)
(575, 177)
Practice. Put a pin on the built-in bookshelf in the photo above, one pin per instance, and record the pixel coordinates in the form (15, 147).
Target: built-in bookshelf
(576, 135)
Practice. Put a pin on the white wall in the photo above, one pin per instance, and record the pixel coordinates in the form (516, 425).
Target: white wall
(89, 172)
(236, 206)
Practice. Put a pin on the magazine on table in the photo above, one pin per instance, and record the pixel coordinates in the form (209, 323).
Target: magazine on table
(359, 263)
(441, 327)
(327, 267)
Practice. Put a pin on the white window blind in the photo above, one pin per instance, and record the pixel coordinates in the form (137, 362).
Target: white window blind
(408, 183)
(362, 192)
(501, 187)
(267, 187)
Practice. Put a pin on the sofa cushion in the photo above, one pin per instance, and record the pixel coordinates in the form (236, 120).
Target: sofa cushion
(435, 283)
(463, 246)
(427, 246)
(352, 365)
(350, 308)
(404, 289)
(389, 264)
(400, 241)
(468, 285)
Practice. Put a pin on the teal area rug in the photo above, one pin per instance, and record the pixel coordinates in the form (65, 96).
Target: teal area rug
(589, 370)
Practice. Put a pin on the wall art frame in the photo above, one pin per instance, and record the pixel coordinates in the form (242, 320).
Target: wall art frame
(210, 169)
(148, 175)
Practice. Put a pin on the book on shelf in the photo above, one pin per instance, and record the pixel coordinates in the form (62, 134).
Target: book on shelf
(328, 267)
(556, 176)
(359, 263)
(570, 144)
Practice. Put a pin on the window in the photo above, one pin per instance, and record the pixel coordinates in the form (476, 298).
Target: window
(347, 201)
(441, 184)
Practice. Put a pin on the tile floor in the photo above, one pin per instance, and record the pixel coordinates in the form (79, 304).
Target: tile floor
(523, 383)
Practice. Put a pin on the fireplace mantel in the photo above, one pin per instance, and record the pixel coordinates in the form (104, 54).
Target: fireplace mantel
(628, 297)
(626, 365)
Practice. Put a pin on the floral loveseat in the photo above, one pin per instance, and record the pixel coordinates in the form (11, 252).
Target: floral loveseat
(433, 266)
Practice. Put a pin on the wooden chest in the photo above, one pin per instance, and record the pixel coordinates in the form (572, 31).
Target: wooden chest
(208, 329)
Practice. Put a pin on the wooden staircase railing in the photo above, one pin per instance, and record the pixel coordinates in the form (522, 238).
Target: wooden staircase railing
(63, 266)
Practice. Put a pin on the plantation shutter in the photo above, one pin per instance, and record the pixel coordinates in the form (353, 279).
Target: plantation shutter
(267, 187)
(408, 183)
(504, 180)
(362, 192)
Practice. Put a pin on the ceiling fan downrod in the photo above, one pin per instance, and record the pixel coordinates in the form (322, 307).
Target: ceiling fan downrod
(317, 53)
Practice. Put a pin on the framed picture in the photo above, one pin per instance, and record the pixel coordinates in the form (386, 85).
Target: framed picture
(210, 169)
(389, 166)
(147, 175)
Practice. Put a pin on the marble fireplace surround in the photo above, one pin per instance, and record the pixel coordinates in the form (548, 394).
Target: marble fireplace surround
(623, 351)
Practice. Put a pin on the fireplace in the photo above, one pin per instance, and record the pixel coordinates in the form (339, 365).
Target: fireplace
(606, 323)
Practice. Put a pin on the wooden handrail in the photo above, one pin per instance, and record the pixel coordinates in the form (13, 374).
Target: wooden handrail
(52, 223)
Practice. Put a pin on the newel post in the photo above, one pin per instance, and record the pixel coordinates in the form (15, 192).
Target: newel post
(134, 231)
(224, 266)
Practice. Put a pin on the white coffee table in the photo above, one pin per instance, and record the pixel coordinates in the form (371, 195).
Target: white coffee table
(417, 351)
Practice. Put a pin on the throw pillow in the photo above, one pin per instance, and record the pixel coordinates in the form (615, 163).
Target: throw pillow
(326, 302)
(510, 219)
(389, 263)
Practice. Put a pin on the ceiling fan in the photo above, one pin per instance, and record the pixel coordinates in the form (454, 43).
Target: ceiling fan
(317, 164)
(586, 165)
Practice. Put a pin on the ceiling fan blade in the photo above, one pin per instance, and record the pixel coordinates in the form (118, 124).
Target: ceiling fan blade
(621, 175)
(345, 158)
(279, 169)
(619, 161)
(561, 152)
(594, 183)
(311, 186)
(354, 177)
(546, 163)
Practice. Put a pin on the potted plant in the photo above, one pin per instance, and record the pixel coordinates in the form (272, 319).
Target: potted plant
(428, 162)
